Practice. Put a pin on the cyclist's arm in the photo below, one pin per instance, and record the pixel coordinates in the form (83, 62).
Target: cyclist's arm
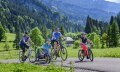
(89, 41)
(80, 40)
(53, 36)
(61, 36)
(30, 41)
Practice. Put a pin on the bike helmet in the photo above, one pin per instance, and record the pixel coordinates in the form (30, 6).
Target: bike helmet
(84, 33)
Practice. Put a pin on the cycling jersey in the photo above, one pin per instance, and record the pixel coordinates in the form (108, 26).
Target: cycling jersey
(84, 40)
(46, 46)
(56, 35)
(24, 39)
(22, 43)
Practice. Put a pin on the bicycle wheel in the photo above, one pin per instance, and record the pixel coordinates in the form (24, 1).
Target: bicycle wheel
(63, 53)
(53, 54)
(21, 57)
(81, 55)
(91, 55)
(32, 56)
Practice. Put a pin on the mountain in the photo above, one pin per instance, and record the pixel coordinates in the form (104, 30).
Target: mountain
(97, 4)
(78, 10)
(23, 15)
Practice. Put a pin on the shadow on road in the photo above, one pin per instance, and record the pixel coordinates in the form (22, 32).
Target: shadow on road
(81, 61)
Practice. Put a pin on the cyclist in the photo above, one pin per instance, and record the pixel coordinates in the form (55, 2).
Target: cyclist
(25, 43)
(56, 35)
(46, 47)
(84, 42)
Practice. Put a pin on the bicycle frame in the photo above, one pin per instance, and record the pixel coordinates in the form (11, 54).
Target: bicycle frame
(29, 52)
(84, 48)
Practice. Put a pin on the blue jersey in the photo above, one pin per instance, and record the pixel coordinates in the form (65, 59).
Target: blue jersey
(56, 35)
(46, 46)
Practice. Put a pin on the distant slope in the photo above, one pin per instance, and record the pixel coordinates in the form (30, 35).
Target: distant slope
(97, 4)
(78, 10)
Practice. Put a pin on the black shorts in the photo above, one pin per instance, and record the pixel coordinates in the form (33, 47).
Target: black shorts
(23, 47)
(52, 42)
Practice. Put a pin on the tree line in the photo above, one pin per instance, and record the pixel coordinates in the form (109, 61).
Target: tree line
(108, 32)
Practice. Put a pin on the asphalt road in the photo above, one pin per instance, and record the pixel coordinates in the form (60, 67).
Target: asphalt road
(98, 65)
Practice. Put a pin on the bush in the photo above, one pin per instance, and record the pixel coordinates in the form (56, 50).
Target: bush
(76, 44)
(104, 40)
(75, 36)
(95, 39)
(36, 36)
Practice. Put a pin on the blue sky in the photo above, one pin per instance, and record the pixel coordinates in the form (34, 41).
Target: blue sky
(117, 1)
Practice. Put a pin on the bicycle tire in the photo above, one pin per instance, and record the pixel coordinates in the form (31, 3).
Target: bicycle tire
(53, 54)
(81, 52)
(91, 55)
(63, 51)
(32, 56)
(21, 57)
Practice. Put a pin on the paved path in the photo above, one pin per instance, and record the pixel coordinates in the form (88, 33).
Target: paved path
(98, 65)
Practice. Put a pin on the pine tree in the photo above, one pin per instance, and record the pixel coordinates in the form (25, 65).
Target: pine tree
(44, 32)
(118, 20)
(109, 36)
(88, 28)
(114, 34)
(62, 30)
(111, 20)
(2, 32)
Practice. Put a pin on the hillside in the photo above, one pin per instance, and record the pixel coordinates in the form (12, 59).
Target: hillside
(23, 15)
(78, 10)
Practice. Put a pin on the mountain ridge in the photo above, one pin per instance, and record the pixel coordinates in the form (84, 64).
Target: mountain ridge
(79, 13)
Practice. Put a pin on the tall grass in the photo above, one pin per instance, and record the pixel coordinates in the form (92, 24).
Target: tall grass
(30, 68)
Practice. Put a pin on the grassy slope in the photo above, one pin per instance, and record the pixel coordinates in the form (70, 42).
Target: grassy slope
(10, 38)
(12, 54)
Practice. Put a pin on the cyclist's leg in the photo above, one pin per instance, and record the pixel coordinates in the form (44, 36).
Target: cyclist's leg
(37, 52)
(23, 51)
(87, 53)
(58, 47)
(26, 47)
(86, 49)
(47, 51)
(52, 43)
(49, 54)
(55, 45)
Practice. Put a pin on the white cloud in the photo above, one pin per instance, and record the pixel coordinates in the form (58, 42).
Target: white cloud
(117, 1)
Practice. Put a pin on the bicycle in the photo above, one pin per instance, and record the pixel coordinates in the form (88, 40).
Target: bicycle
(30, 55)
(83, 52)
(62, 51)
(42, 54)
